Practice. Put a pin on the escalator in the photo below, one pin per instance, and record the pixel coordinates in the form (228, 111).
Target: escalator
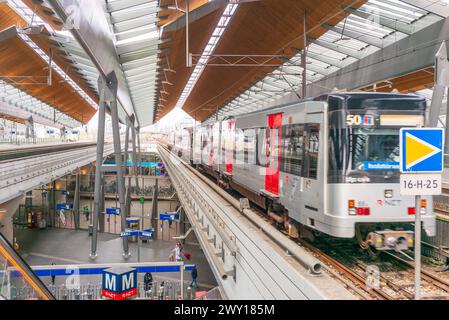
(17, 280)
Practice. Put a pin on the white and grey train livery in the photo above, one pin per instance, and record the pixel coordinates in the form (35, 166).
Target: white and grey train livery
(327, 165)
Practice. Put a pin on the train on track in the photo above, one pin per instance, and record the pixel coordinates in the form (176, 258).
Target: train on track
(325, 165)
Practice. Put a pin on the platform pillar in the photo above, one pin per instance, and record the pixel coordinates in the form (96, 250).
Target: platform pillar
(154, 209)
(118, 159)
(133, 136)
(139, 154)
(101, 223)
(76, 202)
(126, 145)
(99, 160)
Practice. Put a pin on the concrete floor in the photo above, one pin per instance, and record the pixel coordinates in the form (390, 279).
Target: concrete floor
(70, 247)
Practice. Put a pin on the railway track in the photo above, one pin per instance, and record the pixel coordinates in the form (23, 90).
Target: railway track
(354, 274)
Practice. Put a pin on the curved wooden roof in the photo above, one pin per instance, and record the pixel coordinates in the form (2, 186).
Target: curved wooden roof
(17, 59)
(268, 27)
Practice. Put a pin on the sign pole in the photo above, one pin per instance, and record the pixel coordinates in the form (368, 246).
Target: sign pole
(418, 248)
(418, 243)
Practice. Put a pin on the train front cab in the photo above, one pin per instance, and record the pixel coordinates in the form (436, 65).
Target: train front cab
(363, 191)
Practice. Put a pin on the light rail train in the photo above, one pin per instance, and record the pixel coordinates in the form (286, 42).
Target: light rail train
(326, 165)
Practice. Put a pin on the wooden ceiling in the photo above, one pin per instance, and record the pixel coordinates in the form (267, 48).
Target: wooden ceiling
(168, 15)
(411, 82)
(17, 59)
(173, 56)
(266, 27)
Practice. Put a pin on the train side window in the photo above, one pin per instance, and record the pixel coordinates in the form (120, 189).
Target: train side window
(311, 144)
(261, 146)
(249, 145)
(293, 149)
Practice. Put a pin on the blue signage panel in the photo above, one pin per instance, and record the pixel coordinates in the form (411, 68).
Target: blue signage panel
(129, 233)
(421, 150)
(64, 206)
(113, 211)
(169, 216)
(119, 283)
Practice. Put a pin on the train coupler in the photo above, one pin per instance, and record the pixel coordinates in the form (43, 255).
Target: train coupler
(384, 240)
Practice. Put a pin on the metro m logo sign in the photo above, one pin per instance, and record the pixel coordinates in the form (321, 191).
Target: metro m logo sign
(111, 283)
(127, 281)
(119, 283)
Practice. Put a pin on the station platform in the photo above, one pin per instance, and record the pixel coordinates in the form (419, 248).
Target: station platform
(69, 247)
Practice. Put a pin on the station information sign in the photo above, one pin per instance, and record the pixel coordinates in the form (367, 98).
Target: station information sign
(421, 161)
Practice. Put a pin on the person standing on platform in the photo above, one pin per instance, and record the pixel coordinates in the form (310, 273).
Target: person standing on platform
(148, 281)
(194, 278)
(53, 277)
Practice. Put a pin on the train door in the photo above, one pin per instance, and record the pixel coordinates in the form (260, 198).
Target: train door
(273, 143)
(229, 147)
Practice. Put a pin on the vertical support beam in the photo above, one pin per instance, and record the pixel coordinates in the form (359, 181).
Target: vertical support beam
(154, 209)
(139, 155)
(76, 201)
(446, 132)
(188, 61)
(112, 81)
(304, 59)
(133, 137)
(101, 213)
(126, 145)
(99, 160)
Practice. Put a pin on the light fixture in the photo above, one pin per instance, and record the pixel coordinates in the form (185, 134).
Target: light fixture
(210, 47)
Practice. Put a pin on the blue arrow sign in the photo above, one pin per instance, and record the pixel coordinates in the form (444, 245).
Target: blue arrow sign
(129, 233)
(148, 234)
(64, 206)
(169, 216)
(113, 211)
(421, 150)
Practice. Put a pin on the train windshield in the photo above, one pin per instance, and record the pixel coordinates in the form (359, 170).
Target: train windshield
(364, 155)
(374, 149)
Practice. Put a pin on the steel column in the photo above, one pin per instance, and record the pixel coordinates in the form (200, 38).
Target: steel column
(139, 155)
(126, 144)
(118, 159)
(154, 213)
(101, 222)
(133, 137)
(99, 162)
(76, 202)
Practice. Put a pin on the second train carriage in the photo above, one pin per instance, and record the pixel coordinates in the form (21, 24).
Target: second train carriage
(330, 164)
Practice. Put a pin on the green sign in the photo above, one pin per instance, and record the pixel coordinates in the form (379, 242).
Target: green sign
(85, 208)
(142, 200)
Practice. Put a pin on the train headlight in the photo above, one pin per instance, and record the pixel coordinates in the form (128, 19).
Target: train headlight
(352, 210)
(388, 193)
(423, 206)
